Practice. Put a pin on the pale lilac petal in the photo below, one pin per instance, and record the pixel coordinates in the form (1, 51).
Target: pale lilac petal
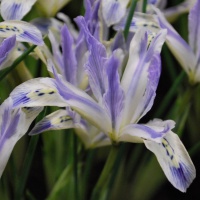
(14, 123)
(96, 63)
(43, 24)
(194, 29)
(139, 20)
(15, 9)
(113, 10)
(151, 131)
(173, 12)
(24, 31)
(6, 49)
(149, 95)
(69, 59)
(174, 160)
(81, 53)
(114, 96)
(57, 55)
(58, 120)
(37, 92)
(136, 76)
(180, 49)
(83, 104)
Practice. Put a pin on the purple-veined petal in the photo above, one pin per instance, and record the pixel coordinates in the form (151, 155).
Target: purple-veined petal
(37, 92)
(95, 66)
(67, 21)
(82, 103)
(114, 96)
(149, 95)
(6, 49)
(57, 55)
(81, 54)
(180, 49)
(136, 76)
(15, 9)
(194, 29)
(60, 119)
(113, 10)
(13, 125)
(174, 160)
(69, 59)
(153, 131)
(24, 31)
(139, 20)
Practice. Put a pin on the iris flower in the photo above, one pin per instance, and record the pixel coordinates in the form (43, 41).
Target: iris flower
(117, 104)
(12, 11)
(188, 55)
(14, 123)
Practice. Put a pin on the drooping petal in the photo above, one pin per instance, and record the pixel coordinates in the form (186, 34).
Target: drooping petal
(180, 49)
(151, 131)
(6, 49)
(114, 96)
(174, 160)
(139, 20)
(15, 9)
(194, 29)
(96, 63)
(113, 10)
(37, 92)
(136, 76)
(13, 125)
(24, 31)
(69, 59)
(60, 119)
(83, 104)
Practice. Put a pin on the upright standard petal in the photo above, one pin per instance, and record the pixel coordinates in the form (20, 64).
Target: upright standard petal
(13, 125)
(15, 9)
(37, 92)
(194, 29)
(174, 160)
(136, 76)
(6, 48)
(113, 10)
(181, 50)
(114, 96)
(25, 32)
(69, 59)
(95, 66)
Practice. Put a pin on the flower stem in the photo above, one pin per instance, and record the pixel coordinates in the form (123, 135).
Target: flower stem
(75, 168)
(27, 162)
(129, 18)
(106, 172)
(144, 6)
